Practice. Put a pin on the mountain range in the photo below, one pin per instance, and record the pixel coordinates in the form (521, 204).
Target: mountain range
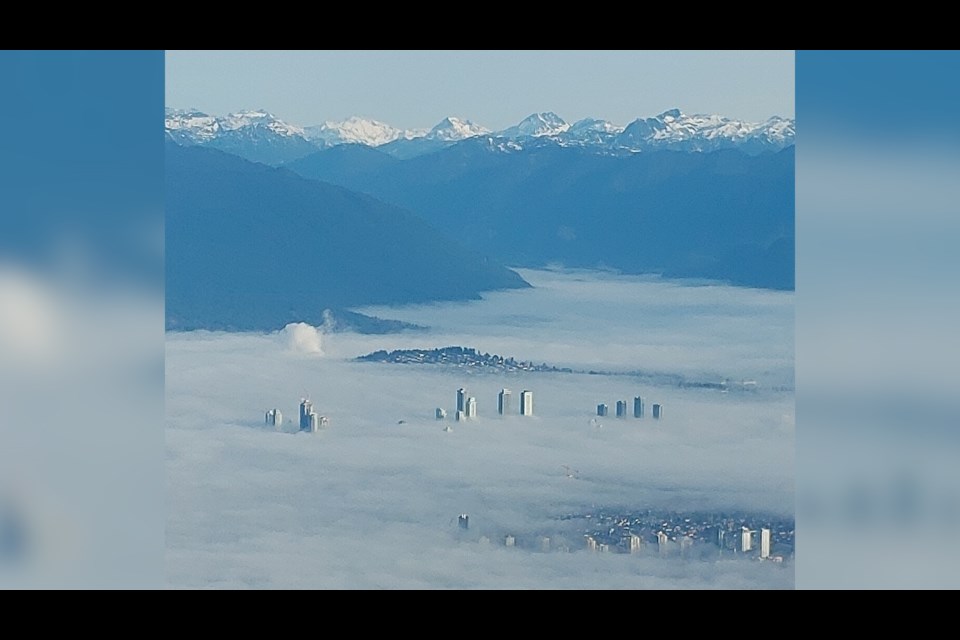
(262, 137)
(269, 223)
(254, 135)
(723, 215)
(252, 247)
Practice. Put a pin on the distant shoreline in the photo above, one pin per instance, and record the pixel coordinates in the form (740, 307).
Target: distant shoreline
(470, 359)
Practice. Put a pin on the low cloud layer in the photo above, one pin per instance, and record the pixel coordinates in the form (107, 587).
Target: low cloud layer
(372, 500)
(585, 318)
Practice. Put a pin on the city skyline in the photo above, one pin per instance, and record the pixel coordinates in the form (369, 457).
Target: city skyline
(467, 408)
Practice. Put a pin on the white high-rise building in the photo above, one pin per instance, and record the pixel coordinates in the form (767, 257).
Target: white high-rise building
(504, 402)
(509, 541)
(471, 410)
(461, 399)
(317, 421)
(526, 403)
(591, 543)
(274, 418)
(441, 413)
(764, 543)
(464, 521)
(544, 543)
(461, 416)
(746, 539)
(636, 543)
(662, 542)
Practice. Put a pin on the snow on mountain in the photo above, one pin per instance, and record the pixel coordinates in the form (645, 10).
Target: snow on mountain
(593, 124)
(777, 129)
(355, 130)
(590, 132)
(191, 125)
(260, 118)
(674, 129)
(536, 125)
(447, 132)
(199, 128)
(453, 129)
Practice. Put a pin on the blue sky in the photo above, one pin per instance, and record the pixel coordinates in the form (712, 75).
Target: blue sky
(493, 88)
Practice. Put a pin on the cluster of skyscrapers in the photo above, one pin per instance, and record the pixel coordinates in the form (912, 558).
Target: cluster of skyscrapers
(633, 543)
(638, 409)
(746, 541)
(467, 405)
(275, 418)
(310, 420)
(666, 534)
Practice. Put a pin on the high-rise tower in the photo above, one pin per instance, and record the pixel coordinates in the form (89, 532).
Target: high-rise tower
(526, 403)
(306, 408)
(621, 408)
(504, 402)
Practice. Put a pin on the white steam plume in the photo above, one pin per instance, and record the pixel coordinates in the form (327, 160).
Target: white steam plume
(301, 337)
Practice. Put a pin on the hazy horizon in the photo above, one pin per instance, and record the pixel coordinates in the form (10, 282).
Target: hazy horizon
(496, 89)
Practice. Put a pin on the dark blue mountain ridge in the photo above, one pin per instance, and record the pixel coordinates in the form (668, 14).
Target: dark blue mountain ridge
(724, 215)
(251, 247)
(258, 143)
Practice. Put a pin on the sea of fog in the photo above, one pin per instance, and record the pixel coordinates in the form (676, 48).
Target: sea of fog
(372, 501)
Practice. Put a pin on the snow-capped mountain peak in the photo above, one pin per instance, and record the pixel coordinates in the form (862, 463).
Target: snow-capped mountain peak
(779, 129)
(198, 127)
(590, 132)
(260, 118)
(452, 129)
(593, 124)
(535, 125)
(672, 129)
(676, 130)
(191, 124)
(244, 118)
(357, 130)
